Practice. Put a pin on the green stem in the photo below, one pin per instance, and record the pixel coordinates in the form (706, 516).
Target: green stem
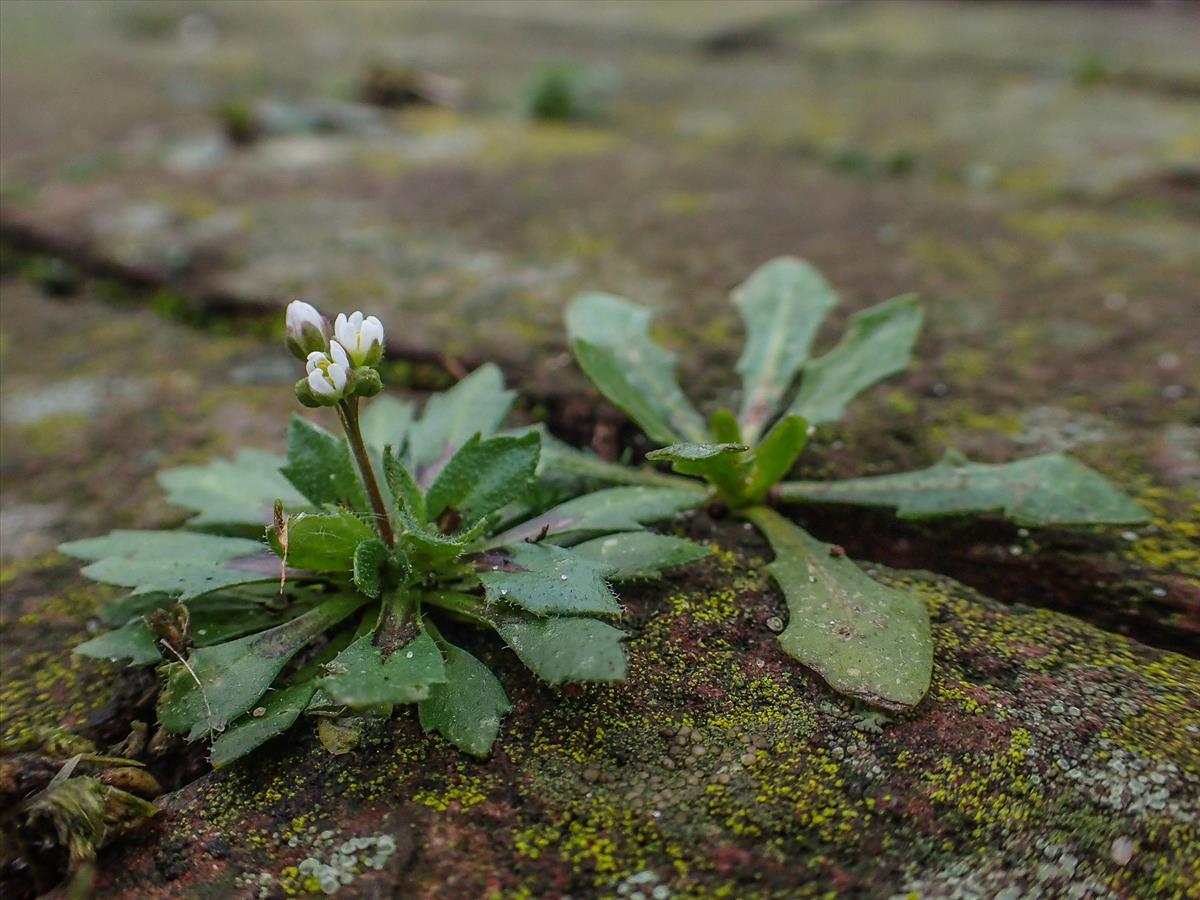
(348, 412)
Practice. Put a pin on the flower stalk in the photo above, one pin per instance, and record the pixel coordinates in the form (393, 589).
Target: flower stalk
(348, 413)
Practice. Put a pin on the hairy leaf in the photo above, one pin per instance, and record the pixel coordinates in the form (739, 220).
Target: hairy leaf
(610, 337)
(426, 546)
(180, 563)
(233, 676)
(320, 467)
(476, 405)
(360, 676)
(241, 491)
(467, 708)
(1053, 489)
(559, 650)
(612, 509)
(878, 342)
(484, 475)
(783, 304)
(325, 542)
(866, 640)
(640, 554)
(546, 579)
(280, 709)
(403, 486)
(370, 557)
(776, 455)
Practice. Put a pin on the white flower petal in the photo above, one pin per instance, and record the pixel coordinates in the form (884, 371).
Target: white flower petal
(356, 319)
(300, 314)
(338, 354)
(337, 374)
(372, 332)
(320, 384)
(315, 359)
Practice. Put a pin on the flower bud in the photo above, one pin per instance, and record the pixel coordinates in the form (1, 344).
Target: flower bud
(307, 329)
(305, 395)
(328, 374)
(362, 338)
(364, 382)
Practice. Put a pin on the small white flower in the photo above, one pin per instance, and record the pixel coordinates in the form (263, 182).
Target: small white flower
(327, 373)
(307, 329)
(362, 337)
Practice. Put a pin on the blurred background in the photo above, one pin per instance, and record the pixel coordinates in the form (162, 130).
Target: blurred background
(172, 173)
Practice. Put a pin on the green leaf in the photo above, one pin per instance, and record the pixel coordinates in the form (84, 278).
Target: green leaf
(878, 342)
(866, 640)
(484, 475)
(612, 509)
(783, 304)
(359, 676)
(1053, 489)
(776, 455)
(640, 554)
(610, 337)
(320, 467)
(562, 462)
(425, 546)
(693, 457)
(559, 650)
(476, 405)
(326, 542)
(132, 641)
(220, 617)
(180, 563)
(467, 709)
(370, 557)
(233, 676)
(546, 579)
(403, 486)
(241, 491)
(724, 427)
(719, 464)
(385, 421)
(280, 710)
(214, 619)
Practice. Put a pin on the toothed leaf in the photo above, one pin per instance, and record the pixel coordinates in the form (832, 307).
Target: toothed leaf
(1053, 489)
(610, 337)
(878, 342)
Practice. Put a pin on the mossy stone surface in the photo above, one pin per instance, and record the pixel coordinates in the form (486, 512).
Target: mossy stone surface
(1032, 175)
(1048, 757)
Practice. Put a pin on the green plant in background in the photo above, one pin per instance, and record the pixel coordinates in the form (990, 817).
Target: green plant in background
(339, 612)
(865, 639)
(566, 93)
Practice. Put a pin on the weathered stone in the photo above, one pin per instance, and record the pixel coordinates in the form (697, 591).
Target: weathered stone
(1031, 175)
(1048, 754)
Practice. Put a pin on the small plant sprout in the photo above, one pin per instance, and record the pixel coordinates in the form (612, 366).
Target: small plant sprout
(359, 596)
(866, 640)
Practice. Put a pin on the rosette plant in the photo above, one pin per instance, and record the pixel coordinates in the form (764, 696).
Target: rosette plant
(865, 639)
(337, 611)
